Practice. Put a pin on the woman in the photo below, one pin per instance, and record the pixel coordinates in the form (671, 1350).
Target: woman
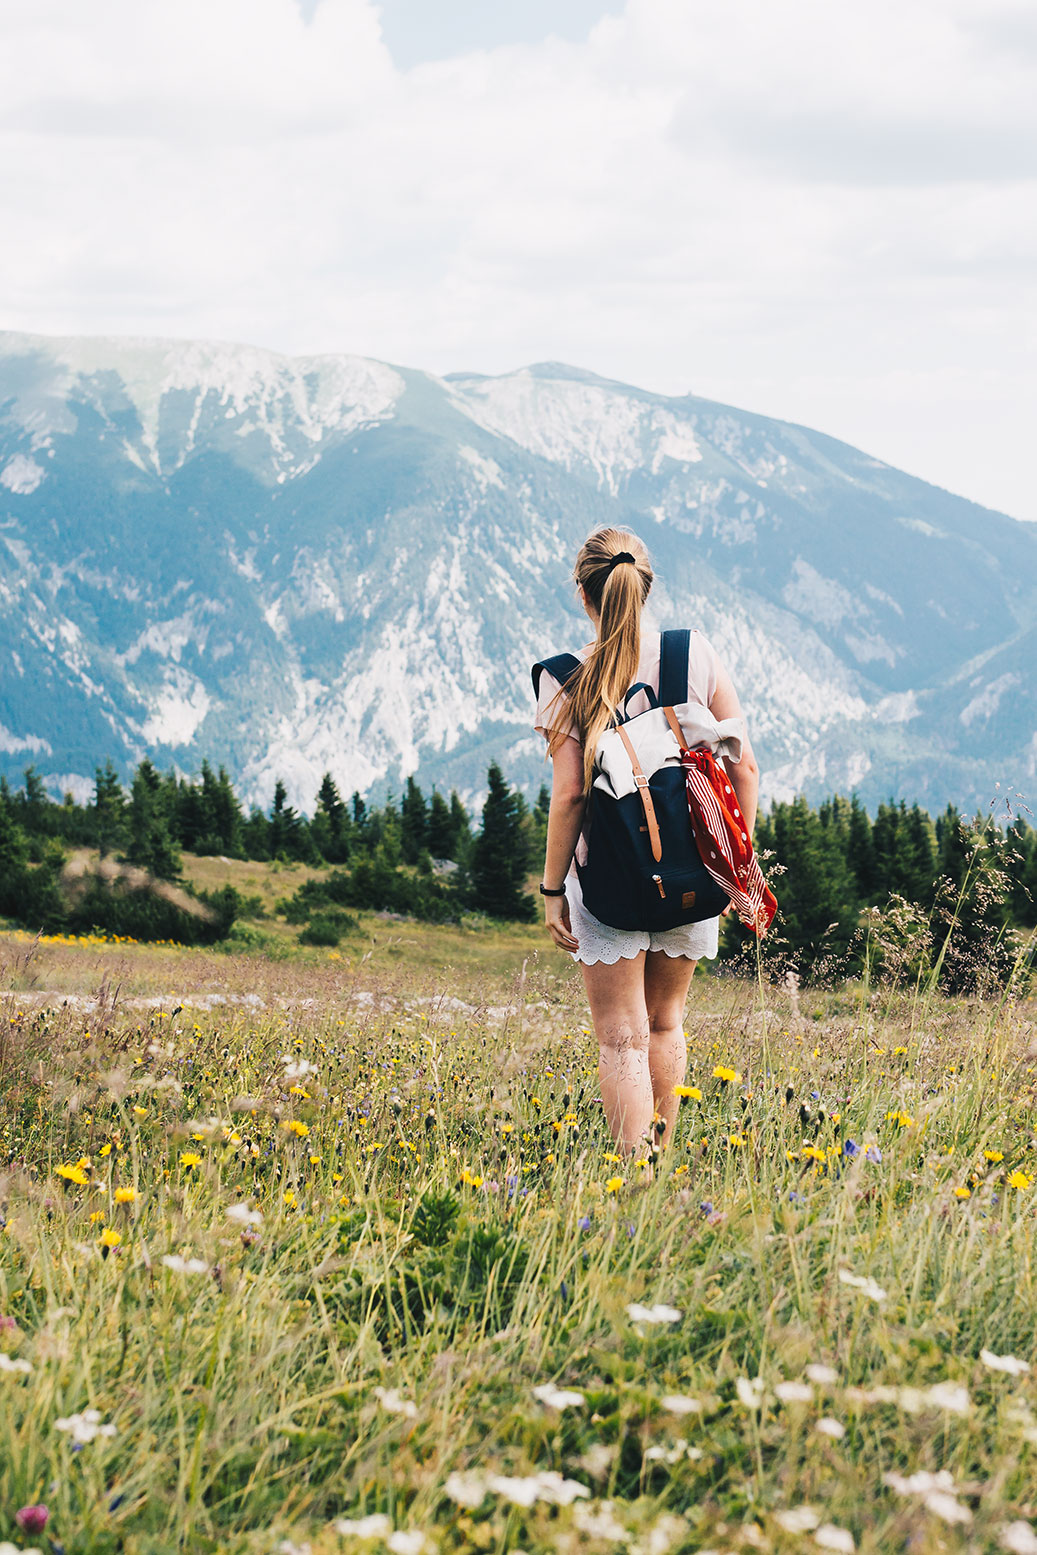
(637, 982)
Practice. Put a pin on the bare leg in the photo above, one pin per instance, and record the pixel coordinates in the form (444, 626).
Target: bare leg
(616, 995)
(667, 980)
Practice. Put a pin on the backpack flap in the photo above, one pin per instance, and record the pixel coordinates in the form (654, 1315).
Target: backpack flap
(655, 745)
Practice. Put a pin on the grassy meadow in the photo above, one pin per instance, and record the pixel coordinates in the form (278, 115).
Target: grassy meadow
(329, 1250)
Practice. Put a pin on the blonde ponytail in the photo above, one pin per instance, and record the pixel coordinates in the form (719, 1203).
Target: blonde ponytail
(614, 572)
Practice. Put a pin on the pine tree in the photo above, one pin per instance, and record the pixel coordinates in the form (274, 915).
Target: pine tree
(331, 825)
(109, 810)
(440, 832)
(860, 852)
(499, 861)
(413, 822)
(150, 843)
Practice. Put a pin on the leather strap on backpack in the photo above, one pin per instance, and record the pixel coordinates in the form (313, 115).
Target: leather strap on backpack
(641, 784)
(678, 732)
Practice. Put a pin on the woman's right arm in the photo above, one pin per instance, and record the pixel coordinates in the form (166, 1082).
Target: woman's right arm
(744, 774)
(564, 819)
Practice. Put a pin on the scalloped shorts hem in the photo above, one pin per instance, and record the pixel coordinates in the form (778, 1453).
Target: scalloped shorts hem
(601, 942)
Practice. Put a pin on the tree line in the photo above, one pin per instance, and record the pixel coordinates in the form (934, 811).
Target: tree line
(898, 894)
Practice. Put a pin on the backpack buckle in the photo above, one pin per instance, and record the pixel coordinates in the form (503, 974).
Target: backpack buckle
(640, 780)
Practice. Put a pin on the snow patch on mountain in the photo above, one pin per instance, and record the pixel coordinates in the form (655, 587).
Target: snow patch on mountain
(21, 475)
(15, 744)
(177, 710)
(986, 701)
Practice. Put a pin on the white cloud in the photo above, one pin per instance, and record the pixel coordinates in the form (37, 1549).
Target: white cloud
(817, 209)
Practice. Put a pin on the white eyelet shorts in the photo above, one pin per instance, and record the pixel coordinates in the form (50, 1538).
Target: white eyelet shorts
(600, 942)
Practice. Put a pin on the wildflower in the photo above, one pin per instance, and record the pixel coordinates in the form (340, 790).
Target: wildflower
(797, 1519)
(829, 1537)
(873, 1154)
(97, 1217)
(829, 1427)
(736, 1140)
(294, 1126)
(824, 1376)
(900, 1050)
(851, 1148)
(812, 1153)
(290, 1201)
(691, 1091)
(84, 1427)
(936, 1491)
(243, 1216)
(680, 1404)
(994, 1155)
(125, 1195)
(16, 1364)
(74, 1174)
(110, 1238)
(793, 1392)
(395, 1404)
(726, 1076)
(599, 1522)
(963, 1193)
(32, 1519)
(660, 1313)
(184, 1265)
(465, 1489)
(140, 1112)
(613, 1185)
(189, 1159)
(901, 1119)
(1019, 1180)
(862, 1283)
(374, 1526)
(407, 1541)
(1007, 1363)
(750, 1391)
(297, 1068)
(948, 1395)
(557, 1398)
(1018, 1538)
(548, 1486)
(706, 1207)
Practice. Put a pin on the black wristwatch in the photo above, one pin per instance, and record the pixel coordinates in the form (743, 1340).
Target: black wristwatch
(545, 892)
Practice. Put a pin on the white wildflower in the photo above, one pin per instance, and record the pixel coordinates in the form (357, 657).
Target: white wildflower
(184, 1265)
(824, 1376)
(597, 1460)
(793, 1392)
(548, 1486)
(674, 1454)
(407, 1541)
(681, 1404)
(394, 1403)
(829, 1537)
(864, 1283)
(660, 1313)
(797, 1519)
(665, 1532)
(6, 1548)
(943, 1505)
(297, 1068)
(286, 1547)
(466, 1489)
(921, 1484)
(14, 1364)
(1019, 1538)
(829, 1427)
(750, 1391)
(84, 1427)
(375, 1526)
(1008, 1363)
(599, 1521)
(950, 1396)
(557, 1398)
(243, 1216)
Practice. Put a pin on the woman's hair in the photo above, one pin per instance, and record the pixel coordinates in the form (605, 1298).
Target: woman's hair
(617, 591)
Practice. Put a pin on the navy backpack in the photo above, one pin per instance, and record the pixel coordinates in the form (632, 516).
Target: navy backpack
(643, 868)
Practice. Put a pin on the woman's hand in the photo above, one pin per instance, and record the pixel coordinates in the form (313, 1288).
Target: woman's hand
(559, 926)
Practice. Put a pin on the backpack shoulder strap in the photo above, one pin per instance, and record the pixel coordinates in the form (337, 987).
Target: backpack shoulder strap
(673, 667)
(561, 666)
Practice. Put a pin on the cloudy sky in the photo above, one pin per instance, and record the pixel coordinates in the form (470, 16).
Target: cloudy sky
(821, 209)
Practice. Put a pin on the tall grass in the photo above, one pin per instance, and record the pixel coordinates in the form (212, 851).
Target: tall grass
(393, 1211)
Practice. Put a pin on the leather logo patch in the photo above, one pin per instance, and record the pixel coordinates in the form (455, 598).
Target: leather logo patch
(688, 900)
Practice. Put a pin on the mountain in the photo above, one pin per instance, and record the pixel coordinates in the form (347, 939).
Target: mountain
(294, 565)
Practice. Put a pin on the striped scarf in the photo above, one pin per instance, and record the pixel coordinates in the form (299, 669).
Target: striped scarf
(723, 841)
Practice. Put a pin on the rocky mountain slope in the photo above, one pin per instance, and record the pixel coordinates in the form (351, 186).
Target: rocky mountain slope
(294, 565)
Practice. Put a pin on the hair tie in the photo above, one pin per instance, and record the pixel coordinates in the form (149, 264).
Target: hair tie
(620, 556)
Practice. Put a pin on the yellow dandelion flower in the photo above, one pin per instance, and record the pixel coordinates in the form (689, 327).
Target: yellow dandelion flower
(613, 1185)
(691, 1091)
(736, 1139)
(295, 1127)
(728, 1076)
(105, 1149)
(812, 1153)
(792, 1155)
(507, 1128)
(963, 1193)
(680, 1170)
(110, 1238)
(74, 1174)
(189, 1158)
(336, 1176)
(1019, 1180)
(900, 1050)
(314, 1160)
(298, 1090)
(612, 1158)
(98, 1215)
(290, 1199)
(125, 1195)
(994, 1155)
(901, 1119)
(140, 1112)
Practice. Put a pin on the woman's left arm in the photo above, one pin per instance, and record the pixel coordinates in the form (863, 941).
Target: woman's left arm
(564, 819)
